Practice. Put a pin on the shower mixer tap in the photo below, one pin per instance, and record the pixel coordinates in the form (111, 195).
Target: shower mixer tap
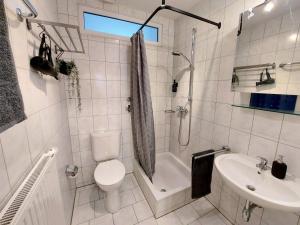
(181, 109)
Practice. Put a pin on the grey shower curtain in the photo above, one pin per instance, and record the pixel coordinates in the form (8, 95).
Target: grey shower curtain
(142, 113)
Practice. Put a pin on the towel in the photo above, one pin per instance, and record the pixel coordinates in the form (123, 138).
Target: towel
(202, 174)
(11, 102)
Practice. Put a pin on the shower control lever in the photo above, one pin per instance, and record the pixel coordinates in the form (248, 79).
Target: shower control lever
(128, 108)
(170, 111)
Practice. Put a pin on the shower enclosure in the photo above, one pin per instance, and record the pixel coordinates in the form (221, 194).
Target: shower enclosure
(183, 110)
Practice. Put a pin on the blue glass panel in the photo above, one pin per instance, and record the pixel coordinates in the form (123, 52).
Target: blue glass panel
(273, 101)
(119, 27)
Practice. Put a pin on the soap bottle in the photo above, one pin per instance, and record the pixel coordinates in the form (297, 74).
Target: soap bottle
(174, 86)
(279, 168)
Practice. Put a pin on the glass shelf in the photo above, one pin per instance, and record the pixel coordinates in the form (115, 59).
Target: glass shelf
(297, 113)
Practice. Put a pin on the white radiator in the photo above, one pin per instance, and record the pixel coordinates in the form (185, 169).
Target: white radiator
(38, 200)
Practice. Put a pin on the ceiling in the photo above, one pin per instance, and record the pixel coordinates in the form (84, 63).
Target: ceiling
(151, 5)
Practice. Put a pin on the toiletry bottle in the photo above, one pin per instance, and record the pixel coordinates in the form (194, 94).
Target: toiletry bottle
(174, 86)
(279, 168)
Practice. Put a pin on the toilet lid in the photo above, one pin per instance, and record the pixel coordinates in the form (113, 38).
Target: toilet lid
(109, 172)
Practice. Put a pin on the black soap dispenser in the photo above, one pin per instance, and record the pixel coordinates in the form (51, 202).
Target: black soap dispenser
(174, 86)
(279, 168)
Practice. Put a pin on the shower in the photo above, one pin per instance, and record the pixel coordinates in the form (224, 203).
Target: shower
(183, 109)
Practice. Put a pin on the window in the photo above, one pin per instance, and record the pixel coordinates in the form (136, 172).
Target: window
(110, 25)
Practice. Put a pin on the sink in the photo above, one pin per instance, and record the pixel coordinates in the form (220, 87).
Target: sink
(241, 174)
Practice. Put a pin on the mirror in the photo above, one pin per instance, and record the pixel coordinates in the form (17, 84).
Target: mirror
(268, 49)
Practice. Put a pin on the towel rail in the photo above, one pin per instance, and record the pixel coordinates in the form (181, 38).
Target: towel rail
(282, 65)
(223, 149)
(72, 47)
(33, 13)
(266, 65)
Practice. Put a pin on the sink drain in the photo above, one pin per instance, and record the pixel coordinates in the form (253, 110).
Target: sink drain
(163, 190)
(251, 188)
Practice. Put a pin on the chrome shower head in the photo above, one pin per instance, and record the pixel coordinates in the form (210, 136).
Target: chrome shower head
(181, 54)
(176, 53)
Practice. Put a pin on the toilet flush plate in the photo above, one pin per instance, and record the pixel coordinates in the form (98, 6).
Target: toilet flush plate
(241, 174)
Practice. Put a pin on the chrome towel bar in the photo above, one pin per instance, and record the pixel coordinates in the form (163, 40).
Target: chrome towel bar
(33, 13)
(222, 150)
(289, 64)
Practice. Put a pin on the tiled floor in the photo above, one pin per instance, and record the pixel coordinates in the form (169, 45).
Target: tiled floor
(89, 209)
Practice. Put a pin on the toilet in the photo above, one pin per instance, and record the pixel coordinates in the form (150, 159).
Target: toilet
(110, 172)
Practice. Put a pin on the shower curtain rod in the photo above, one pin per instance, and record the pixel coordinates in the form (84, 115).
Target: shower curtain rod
(171, 8)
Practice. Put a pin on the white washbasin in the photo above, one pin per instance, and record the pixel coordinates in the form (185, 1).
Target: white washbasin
(239, 171)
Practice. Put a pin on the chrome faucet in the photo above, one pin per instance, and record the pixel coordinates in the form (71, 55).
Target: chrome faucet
(263, 165)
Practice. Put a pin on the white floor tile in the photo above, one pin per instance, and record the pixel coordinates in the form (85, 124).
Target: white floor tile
(213, 218)
(85, 223)
(88, 195)
(127, 198)
(202, 206)
(104, 220)
(196, 222)
(100, 208)
(125, 216)
(129, 183)
(136, 211)
(83, 213)
(169, 219)
(142, 210)
(187, 214)
(150, 221)
(138, 194)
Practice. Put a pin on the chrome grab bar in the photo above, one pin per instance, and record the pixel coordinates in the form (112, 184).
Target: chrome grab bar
(33, 13)
(267, 65)
(223, 149)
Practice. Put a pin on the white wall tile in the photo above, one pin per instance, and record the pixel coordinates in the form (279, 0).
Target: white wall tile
(100, 123)
(262, 147)
(112, 52)
(290, 130)
(267, 124)
(35, 135)
(96, 51)
(100, 107)
(242, 119)
(16, 152)
(239, 141)
(97, 70)
(5, 186)
(99, 89)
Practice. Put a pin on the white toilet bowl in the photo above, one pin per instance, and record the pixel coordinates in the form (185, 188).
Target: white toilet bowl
(109, 176)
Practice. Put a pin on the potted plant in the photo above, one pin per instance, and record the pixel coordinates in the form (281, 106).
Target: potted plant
(71, 71)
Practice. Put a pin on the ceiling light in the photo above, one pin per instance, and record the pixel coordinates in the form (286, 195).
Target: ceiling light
(293, 37)
(269, 7)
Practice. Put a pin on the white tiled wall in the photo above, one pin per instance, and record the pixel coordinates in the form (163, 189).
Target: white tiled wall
(215, 122)
(104, 80)
(45, 107)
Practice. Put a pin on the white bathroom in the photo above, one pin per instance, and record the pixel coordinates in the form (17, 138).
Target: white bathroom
(138, 112)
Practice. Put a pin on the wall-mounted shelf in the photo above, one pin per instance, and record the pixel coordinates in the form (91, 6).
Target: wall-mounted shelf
(61, 34)
(297, 113)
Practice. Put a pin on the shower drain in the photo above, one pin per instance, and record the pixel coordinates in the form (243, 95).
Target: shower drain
(163, 190)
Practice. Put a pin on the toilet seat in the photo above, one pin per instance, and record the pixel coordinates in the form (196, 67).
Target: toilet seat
(109, 173)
